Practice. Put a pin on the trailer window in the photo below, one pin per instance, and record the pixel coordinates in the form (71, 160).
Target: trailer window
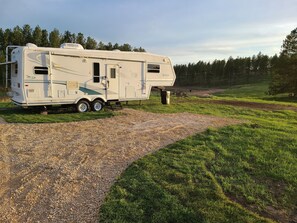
(41, 70)
(153, 68)
(112, 73)
(96, 72)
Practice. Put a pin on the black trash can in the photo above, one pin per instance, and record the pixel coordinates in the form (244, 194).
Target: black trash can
(165, 97)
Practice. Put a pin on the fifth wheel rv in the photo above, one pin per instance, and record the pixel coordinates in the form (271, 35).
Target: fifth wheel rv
(88, 79)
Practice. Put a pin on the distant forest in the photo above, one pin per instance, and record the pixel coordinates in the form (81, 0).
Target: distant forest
(240, 70)
(42, 37)
(280, 70)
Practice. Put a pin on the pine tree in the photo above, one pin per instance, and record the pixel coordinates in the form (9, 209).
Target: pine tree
(284, 78)
(126, 47)
(101, 46)
(229, 71)
(17, 37)
(91, 43)
(115, 46)
(44, 38)
(7, 38)
(27, 34)
(54, 38)
(140, 49)
(37, 36)
(1, 40)
(109, 46)
(289, 47)
(67, 37)
(80, 39)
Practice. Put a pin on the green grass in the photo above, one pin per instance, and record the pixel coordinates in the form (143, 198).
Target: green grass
(248, 93)
(256, 91)
(242, 173)
(19, 115)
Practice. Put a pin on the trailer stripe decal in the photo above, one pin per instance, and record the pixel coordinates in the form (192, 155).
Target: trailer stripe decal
(89, 91)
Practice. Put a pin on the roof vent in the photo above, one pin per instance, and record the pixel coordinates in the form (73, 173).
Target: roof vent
(72, 46)
(31, 45)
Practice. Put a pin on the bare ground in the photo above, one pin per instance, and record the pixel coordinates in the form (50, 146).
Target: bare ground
(62, 172)
(193, 91)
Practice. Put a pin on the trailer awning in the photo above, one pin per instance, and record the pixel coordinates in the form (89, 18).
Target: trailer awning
(9, 62)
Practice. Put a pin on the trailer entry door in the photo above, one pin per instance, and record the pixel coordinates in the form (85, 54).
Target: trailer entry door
(112, 82)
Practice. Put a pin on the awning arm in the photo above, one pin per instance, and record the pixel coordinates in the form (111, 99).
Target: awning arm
(8, 62)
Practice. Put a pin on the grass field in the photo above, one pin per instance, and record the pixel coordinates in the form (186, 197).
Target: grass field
(243, 173)
(256, 91)
(247, 93)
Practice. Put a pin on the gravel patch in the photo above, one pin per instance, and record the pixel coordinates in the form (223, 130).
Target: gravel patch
(61, 172)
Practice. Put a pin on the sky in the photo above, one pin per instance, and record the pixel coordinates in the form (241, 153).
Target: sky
(185, 30)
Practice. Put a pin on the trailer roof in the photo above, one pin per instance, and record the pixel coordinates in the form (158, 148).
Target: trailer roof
(101, 54)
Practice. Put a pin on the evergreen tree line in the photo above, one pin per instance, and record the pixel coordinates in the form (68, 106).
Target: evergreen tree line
(43, 38)
(280, 70)
(240, 70)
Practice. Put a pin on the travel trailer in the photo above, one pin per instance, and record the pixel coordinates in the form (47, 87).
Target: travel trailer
(87, 79)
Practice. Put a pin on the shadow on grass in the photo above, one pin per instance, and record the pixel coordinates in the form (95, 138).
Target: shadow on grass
(281, 99)
(15, 114)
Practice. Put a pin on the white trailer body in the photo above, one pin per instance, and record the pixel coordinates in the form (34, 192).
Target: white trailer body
(42, 76)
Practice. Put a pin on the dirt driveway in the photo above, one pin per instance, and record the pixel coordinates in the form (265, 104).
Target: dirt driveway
(62, 172)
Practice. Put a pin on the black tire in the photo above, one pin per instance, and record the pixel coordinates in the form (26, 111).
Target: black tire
(97, 105)
(82, 106)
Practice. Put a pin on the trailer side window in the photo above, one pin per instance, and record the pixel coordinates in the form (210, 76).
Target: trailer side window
(41, 70)
(96, 72)
(153, 68)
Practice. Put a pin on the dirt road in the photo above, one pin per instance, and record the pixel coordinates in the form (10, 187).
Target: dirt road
(62, 172)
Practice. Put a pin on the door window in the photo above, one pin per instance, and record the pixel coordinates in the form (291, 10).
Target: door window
(112, 73)
(96, 73)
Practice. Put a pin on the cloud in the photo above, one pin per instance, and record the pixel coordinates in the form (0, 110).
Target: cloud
(222, 49)
(184, 30)
(236, 41)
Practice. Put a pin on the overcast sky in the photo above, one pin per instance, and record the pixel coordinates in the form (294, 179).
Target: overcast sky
(185, 30)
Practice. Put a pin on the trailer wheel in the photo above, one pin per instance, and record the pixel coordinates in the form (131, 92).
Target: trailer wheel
(97, 105)
(83, 106)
